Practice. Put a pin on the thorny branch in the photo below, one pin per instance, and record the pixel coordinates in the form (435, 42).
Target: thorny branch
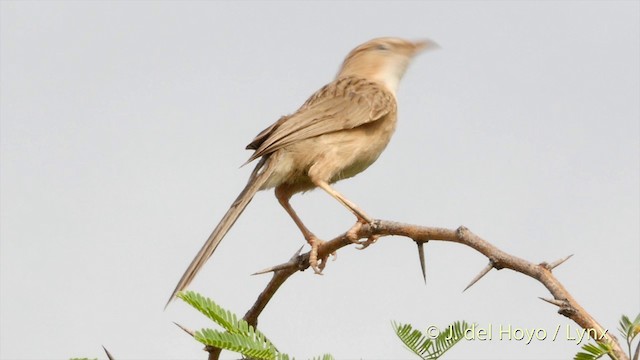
(498, 260)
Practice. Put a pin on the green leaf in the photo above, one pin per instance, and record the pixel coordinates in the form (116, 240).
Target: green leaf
(251, 346)
(593, 351)
(323, 357)
(430, 348)
(209, 308)
(629, 330)
(238, 336)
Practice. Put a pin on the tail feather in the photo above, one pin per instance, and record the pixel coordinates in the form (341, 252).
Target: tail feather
(257, 179)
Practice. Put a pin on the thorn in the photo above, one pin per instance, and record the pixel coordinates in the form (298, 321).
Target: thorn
(422, 262)
(109, 356)
(281, 266)
(480, 275)
(557, 263)
(297, 253)
(272, 269)
(558, 303)
(185, 329)
(267, 270)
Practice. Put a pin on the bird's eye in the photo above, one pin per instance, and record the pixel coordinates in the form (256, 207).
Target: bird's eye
(382, 47)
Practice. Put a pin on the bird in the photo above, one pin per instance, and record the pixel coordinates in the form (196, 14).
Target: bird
(336, 134)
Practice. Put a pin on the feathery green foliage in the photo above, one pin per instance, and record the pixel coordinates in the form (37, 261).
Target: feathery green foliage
(247, 344)
(629, 330)
(323, 357)
(429, 348)
(228, 320)
(593, 351)
(238, 335)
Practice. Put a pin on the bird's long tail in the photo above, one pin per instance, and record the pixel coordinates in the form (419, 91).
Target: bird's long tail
(259, 176)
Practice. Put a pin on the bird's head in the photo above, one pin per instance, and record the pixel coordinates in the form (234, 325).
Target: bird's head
(383, 60)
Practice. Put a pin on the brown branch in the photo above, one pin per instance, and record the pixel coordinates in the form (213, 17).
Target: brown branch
(498, 260)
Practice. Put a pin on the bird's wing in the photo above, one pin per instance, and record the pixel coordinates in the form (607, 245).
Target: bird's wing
(343, 104)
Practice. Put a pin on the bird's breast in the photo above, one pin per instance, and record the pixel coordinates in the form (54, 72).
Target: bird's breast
(360, 147)
(333, 156)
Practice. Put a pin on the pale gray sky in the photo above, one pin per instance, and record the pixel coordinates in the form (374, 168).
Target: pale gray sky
(124, 124)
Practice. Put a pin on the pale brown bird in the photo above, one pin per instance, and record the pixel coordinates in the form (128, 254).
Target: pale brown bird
(336, 134)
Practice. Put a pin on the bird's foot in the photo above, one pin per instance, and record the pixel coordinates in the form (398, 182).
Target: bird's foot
(318, 264)
(352, 235)
(370, 241)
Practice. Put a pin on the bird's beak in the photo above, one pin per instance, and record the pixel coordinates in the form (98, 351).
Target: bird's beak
(424, 45)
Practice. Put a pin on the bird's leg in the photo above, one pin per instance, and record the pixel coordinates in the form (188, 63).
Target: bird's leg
(362, 217)
(283, 198)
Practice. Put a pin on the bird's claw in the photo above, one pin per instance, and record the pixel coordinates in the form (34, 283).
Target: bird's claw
(318, 264)
(352, 235)
(370, 241)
